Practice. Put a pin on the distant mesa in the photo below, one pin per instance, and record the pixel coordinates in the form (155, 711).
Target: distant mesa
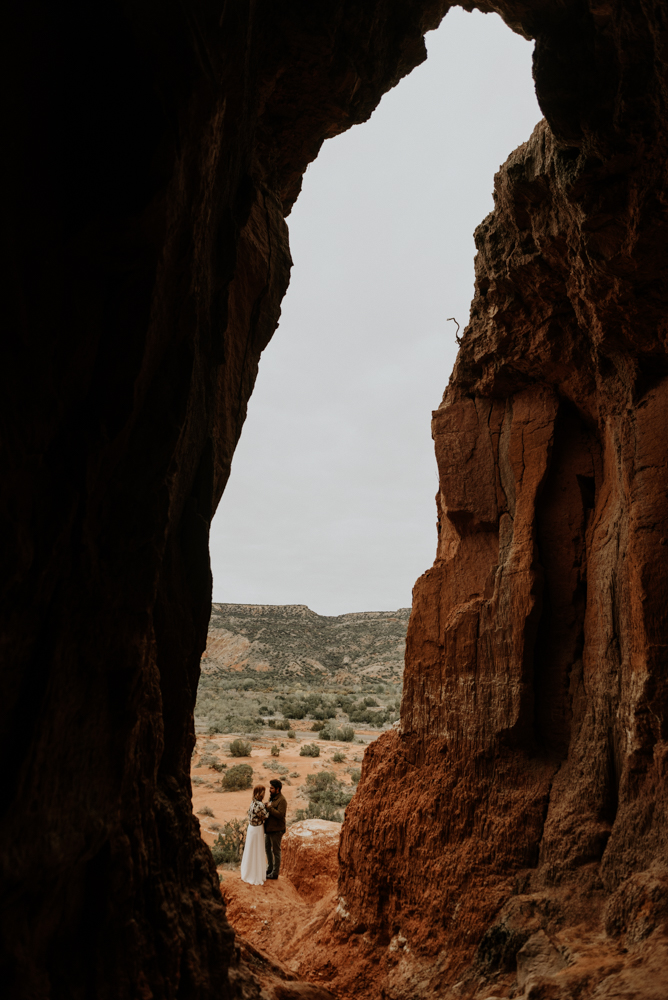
(290, 640)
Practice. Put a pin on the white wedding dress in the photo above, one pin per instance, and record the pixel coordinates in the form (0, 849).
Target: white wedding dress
(254, 860)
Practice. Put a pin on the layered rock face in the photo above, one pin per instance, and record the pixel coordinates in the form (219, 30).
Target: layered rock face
(154, 154)
(529, 776)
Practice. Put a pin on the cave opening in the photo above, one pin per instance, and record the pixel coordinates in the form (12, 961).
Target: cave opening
(330, 500)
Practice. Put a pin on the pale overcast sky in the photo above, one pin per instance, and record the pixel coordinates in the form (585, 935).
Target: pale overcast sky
(331, 498)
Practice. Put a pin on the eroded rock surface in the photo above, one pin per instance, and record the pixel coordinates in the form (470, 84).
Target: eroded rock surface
(530, 770)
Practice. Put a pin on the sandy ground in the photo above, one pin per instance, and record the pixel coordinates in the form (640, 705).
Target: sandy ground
(233, 805)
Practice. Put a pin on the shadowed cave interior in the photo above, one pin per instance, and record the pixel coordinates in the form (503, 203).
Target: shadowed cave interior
(154, 152)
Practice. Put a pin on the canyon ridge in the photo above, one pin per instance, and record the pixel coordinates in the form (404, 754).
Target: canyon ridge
(293, 641)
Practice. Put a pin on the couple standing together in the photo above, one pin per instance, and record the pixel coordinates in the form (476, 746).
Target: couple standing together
(266, 826)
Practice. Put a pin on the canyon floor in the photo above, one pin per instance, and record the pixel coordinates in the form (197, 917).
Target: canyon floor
(295, 931)
(225, 806)
(269, 667)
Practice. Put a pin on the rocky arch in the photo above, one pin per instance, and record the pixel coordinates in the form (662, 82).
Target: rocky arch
(155, 151)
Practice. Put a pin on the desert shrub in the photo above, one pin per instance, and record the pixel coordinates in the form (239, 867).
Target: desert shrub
(229, 844)
(346, 734)
(205, 811)
(275, 767)
(208, 760)
(327, 796)
(313, 706)
(238, 777)
(294, 774)
(338, 757)
(309, 750)
(275, 751)
(346, 704)
(240, 748)
(365, 715)
(234, 724)
(278, 723)
(317, 726)
(370, 702)
(355, 775)
(292, 734)
(197, 780)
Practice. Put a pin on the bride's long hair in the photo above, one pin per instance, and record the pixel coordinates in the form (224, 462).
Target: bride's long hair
(258, 792)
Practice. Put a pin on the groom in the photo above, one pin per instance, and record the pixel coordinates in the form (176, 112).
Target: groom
(274, 827)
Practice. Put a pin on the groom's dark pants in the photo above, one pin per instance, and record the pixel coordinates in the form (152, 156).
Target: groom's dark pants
(272, 846)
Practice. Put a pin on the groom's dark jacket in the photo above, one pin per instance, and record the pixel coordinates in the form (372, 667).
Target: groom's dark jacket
(277, 808)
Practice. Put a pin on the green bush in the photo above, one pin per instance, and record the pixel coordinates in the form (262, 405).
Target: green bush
(275, 767)
(240, 748)
(292, 734)
(370, 702)
(275, 751)
(278, 723)
(205, 811)
(355, 775)
(326, 795)
(367, 716)
(229, 844)
(309, 750)
(338, 757)
(344, 735)
(210, 760)
(317, 726)
(238, 777)
(234, 724)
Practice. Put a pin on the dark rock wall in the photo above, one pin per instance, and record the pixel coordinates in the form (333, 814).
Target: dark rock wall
(153, 151)
(530, 771)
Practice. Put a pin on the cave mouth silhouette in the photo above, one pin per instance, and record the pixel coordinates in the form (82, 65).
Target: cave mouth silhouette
(153, 157)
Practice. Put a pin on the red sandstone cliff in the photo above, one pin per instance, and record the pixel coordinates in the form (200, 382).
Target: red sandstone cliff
(154, 152)
(529, 776)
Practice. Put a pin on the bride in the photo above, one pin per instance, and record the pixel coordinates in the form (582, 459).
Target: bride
(254, 860)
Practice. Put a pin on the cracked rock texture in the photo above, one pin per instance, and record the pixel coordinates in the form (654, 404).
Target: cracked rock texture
(154, 151)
